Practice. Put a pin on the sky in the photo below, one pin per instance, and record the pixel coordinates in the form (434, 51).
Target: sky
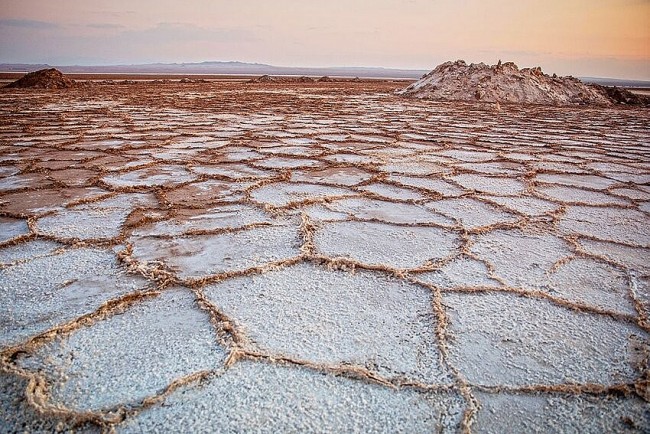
(597, 38)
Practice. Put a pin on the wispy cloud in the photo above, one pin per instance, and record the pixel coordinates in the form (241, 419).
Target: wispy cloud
(107, 26)
(28, 24)
(185, 32)
(112, 14)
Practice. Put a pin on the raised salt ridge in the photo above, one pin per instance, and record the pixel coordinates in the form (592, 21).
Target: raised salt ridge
(503, 82)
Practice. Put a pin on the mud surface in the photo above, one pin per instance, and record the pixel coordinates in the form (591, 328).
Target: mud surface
(320, 256)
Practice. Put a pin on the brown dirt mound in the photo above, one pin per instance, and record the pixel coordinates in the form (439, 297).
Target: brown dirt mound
(458, 81)
(623, 96)
(325, 79)
(44, 79)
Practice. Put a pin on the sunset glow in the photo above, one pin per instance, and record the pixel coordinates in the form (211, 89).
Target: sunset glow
(608, 38)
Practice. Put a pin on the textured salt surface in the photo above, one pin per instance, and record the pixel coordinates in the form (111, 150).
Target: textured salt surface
(387, 211)
(203, 255)
(326, 257)
(103, 219)
(283, 194)
(536, 254)
(265, 398)
(130, 356)
(461, 272)
(471, 213)
(561, 414)
(380, 243)
(18, 416)
(492, 346)
(27, 251)
(337, 317)
(50, 290)
(10, 228)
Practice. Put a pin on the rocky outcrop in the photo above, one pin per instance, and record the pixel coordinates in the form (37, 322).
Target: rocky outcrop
(44, 79)
(503, 82)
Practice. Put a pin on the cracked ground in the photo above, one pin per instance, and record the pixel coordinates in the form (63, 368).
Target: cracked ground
(320, 257)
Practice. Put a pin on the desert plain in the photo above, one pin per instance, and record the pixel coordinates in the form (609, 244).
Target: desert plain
(320, 256)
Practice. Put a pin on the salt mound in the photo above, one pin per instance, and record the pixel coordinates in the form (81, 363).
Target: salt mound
(44, 79)
(502, 83)
(186, 80)
(263, 79)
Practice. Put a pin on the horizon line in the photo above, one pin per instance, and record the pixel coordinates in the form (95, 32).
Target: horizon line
(405, 69)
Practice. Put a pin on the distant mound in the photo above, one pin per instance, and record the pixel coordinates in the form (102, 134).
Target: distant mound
(503, 82)
(325, 79)
(620, 95)
(192, 80)
(263, 79)
(44, 79)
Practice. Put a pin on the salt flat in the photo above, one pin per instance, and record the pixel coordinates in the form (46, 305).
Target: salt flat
(320, 257)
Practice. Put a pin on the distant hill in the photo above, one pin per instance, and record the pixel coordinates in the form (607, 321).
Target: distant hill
(226, 68)
(616, 82)
(242, 68)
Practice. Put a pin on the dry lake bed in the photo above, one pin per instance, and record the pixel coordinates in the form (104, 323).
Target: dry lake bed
(320, 257)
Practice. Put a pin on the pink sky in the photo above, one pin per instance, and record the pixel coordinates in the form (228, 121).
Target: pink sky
(606, 38)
